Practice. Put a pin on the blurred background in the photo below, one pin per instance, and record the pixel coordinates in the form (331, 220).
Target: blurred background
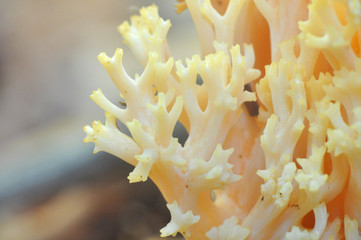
(51, 185)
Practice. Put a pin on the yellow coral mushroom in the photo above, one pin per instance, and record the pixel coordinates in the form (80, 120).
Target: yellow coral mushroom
(291, 172)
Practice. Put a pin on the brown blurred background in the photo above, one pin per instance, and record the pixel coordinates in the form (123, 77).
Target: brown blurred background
(51, 186)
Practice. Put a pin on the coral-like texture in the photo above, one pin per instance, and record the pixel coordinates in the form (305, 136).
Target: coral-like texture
(293, 171)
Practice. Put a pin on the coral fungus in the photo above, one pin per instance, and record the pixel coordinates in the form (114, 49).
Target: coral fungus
(291, 172)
